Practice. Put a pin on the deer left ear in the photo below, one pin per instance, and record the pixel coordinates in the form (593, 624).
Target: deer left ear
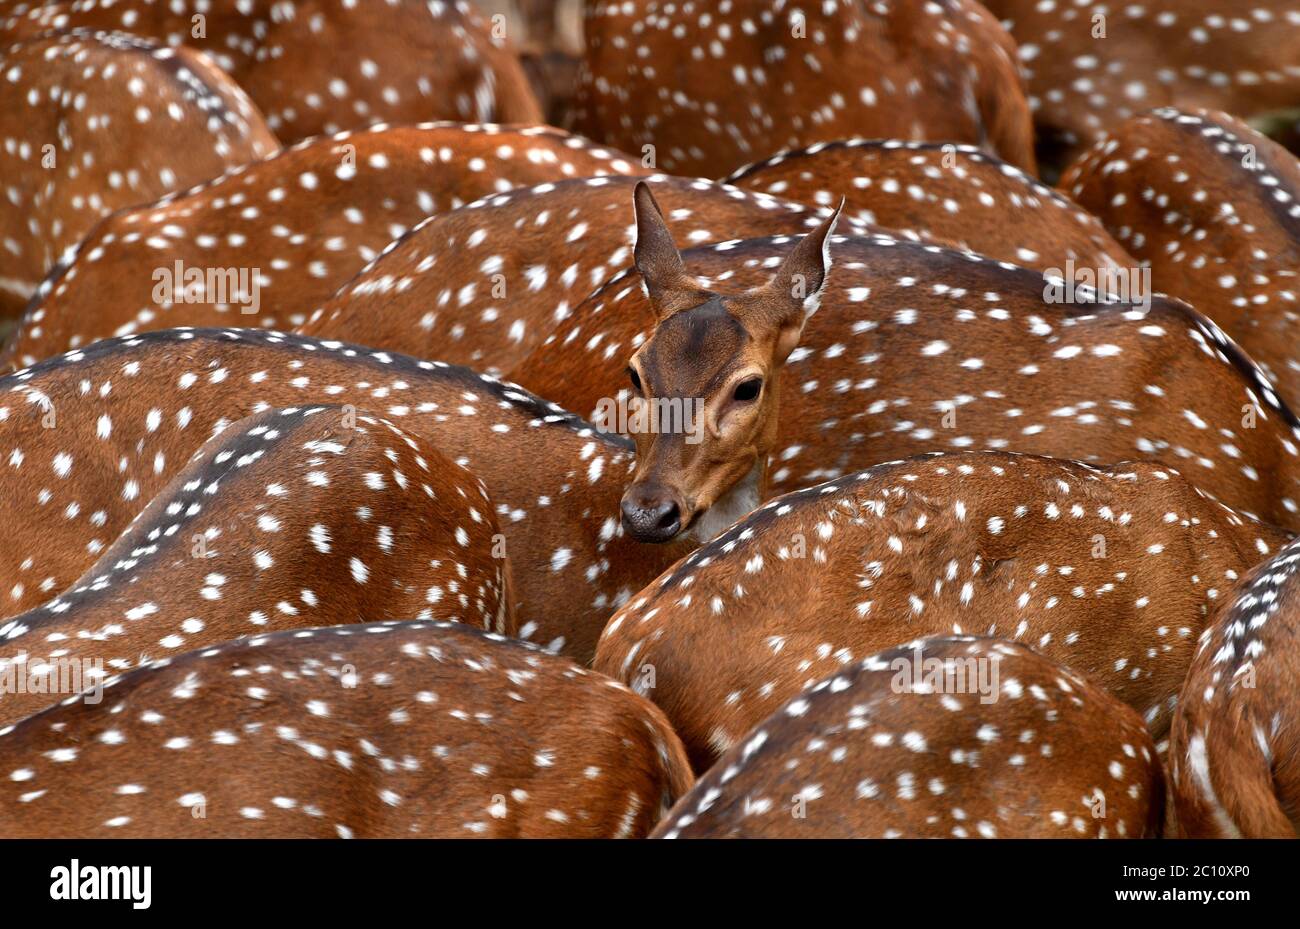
(657, 259)
(799, 282)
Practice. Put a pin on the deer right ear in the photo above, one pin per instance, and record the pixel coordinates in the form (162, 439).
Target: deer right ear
(657, 258)
(797, 286)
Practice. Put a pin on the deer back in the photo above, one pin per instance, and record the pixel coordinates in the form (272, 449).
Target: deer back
(324, 68)
(95, 122)
(1233, 755)
(707, 91)
(485, 284)
(943, 194)
(1090, 65)
(286, 519)
(1210, 206)
(268, 242)
(1108, 571)
(89, 438)
(945, 737)
(381, 730)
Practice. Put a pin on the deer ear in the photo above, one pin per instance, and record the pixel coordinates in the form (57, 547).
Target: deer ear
(657, 258)
(796, 289)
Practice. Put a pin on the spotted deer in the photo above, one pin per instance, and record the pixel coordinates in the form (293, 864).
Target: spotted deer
(708, 89)
(266, 243)
(318, 69)
(915, 348)
(1109, 571)
(1211, 207)
(485, 284)
(944, 737)
(1091, 64)
(940, 193)
(93, 122)
(89, 438)
(1233, 755)
(287, 519)
(381, 730)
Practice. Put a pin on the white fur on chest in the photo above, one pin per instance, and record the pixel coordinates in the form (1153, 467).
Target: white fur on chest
(734, 505)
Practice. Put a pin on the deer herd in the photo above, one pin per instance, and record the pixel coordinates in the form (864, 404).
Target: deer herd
(872, 418)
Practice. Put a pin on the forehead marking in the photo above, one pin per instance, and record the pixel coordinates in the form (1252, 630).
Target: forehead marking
(698, 346)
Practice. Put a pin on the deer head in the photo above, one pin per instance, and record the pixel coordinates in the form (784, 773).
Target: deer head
(705, 385)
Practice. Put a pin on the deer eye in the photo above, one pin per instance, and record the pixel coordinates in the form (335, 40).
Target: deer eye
(748, 390)
(636, 379)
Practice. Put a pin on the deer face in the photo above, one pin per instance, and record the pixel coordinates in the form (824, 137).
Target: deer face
(705, 385)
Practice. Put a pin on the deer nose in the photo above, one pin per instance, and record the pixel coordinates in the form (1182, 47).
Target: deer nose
(651, 518)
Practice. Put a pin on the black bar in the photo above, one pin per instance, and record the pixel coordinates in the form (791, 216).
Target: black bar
(305, 878)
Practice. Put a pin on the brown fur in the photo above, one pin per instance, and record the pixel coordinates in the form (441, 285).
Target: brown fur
(553, 75)
(368, 187)
(1084, 83)
(1055, 554)
(450, 66)
(1211, 207)
(951, 195)
(1234, 750)
(918, 348)
(876, 751)
(287, 519)
(487, 284)
(106, 151)
(373, 731)
(941, 71)
(555, 481)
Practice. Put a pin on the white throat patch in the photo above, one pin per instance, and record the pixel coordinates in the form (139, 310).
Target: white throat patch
(734, 505)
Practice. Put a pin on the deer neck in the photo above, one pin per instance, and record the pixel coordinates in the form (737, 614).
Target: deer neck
(743, 498)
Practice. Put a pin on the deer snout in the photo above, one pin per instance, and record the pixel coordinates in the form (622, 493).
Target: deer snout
(651, 514)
